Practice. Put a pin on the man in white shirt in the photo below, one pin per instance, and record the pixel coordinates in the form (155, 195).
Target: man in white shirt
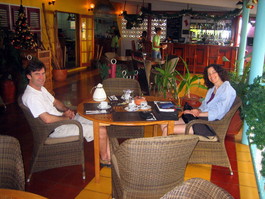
(42, 104)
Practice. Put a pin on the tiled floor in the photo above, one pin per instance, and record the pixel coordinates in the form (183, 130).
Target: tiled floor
(66, 183)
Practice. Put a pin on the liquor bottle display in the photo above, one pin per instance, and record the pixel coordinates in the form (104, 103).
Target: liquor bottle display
(210, 32)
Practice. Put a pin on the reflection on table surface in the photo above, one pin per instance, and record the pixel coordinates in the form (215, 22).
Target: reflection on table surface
(17, 194)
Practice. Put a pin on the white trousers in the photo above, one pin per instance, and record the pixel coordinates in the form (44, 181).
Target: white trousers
(71, 129)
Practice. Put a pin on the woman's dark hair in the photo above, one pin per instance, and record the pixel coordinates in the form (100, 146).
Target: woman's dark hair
(157, 29)
(221, 72)
(34, 65)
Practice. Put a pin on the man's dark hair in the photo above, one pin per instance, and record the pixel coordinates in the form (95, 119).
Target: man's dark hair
(221, 72)
(34, 65)
(157, 29)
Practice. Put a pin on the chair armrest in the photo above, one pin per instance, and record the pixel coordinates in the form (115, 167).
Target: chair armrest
(51, 126)
(213, 124)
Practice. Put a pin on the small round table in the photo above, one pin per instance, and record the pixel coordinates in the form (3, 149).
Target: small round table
(17, 194)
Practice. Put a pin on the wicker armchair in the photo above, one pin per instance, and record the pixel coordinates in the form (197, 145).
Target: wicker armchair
(115, 86)
(11, 165)
(214, 152)
(149, 167)
(49, 152)
(197, 188)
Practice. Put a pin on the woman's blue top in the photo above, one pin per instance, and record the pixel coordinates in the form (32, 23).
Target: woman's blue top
(221, 103)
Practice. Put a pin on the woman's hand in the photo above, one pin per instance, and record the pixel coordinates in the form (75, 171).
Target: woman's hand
(69, 113)
(194, 112)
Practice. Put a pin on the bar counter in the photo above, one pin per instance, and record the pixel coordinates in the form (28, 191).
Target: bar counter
(198, 56)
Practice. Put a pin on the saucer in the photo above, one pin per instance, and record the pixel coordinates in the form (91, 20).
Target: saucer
(104, 108)
(131, 109)
(145, 108)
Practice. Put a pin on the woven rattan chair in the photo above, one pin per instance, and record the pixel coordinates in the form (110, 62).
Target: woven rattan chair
(115, 86)
(197, 188)
(49, 152)
(214, 152)
(149, 167)
(11, 164)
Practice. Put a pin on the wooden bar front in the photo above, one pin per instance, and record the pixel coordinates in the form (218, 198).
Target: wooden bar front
(198, 56)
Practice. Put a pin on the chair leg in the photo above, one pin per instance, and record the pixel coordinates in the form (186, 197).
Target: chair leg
(29, 177)
(231, 171)
(83, 171)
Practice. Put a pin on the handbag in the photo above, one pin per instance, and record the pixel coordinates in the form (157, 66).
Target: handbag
(188, 117)
(199, 129)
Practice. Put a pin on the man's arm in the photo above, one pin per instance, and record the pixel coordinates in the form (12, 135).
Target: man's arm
(67, 113)
(60, 106)
(48, 118)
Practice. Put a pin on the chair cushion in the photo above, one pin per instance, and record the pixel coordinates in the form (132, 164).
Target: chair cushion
(61, 140)
(208, 138)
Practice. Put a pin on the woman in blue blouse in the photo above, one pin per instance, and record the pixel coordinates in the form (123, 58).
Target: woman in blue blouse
(217, 103)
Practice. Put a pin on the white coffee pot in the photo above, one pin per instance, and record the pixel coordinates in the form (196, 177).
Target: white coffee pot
(99, 93)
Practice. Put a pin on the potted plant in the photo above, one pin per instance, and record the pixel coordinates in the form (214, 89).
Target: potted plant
(165, 79)
(253, 112)
(240, 84)
(186, 82)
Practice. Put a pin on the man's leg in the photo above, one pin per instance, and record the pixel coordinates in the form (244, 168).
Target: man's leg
(103, 136)
(104, 144)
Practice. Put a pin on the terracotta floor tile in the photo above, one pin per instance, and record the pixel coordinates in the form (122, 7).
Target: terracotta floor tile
(247, 179)
(242, 147)
(63, 191)
(105, 172)
(248, 193)
(233, 189)
(87, 194)
(243, 156)
(245, 167)
(223, 175)
(103, 187)
(198, 171)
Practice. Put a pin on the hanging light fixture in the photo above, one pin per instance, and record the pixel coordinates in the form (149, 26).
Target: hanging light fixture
(51, 2)
(91, 7)
(239, 5)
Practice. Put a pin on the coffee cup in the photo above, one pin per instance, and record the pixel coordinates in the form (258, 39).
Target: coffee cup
(103, 104)
(143, 104)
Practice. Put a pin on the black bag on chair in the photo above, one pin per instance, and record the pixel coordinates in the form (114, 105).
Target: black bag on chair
(188, 117)
(199, 129)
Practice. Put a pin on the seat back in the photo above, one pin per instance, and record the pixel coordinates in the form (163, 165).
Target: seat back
(197, 188)
(227, 118)
(152, 166)
(38, 127)
(110, 55)
(172, 63)
(12, 174)
(115, 86)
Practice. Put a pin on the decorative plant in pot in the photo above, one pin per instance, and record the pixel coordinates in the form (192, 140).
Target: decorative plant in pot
(59, 72)
(240, 84)
(186, 82)
(253, 112)
(165, 79)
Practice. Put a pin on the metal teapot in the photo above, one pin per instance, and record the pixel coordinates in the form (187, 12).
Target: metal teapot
(99, 93)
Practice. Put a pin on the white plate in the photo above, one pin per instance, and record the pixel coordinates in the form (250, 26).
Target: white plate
(145, 108)
(104, 108)
(131, 109)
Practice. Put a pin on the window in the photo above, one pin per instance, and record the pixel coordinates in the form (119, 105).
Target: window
(9, 16)
(33, 18)
(137, 32)
(4, 16)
